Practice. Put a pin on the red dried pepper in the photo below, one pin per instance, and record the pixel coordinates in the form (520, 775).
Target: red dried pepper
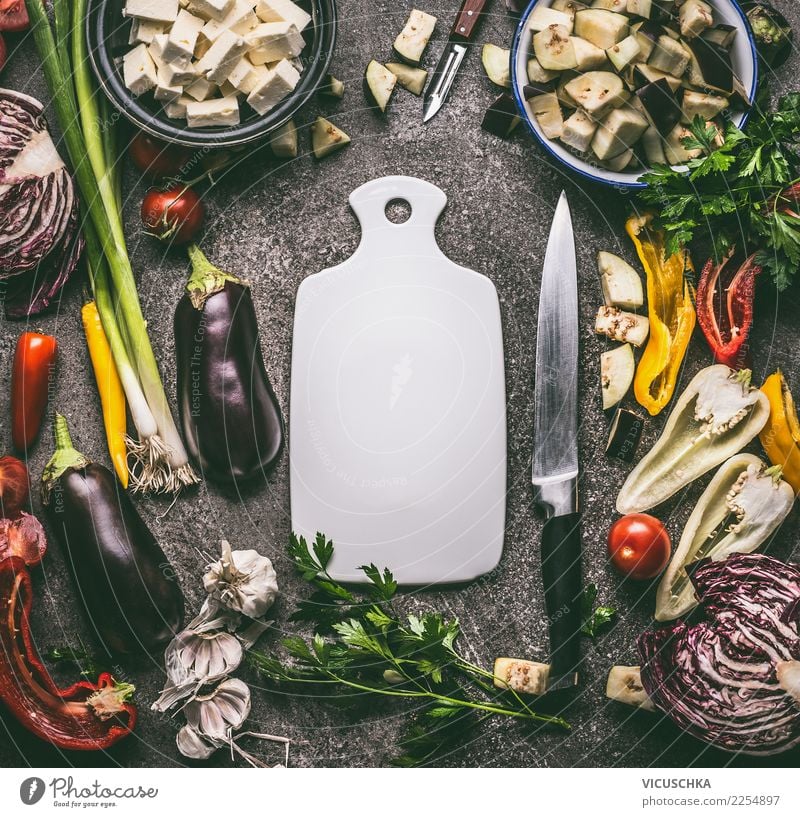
(725, 309)
(34, 360)
(83, 717)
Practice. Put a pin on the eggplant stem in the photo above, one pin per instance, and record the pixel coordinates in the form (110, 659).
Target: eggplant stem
(206, 279)
(64, 457)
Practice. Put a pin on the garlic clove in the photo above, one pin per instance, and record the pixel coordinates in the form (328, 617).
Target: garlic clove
(219, 712)
(191, 744)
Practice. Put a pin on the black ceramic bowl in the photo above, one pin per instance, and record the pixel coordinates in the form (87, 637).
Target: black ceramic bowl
(108, 30)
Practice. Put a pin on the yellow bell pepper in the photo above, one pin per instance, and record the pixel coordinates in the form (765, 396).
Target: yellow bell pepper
(670, 304)
(109, 386)
(780, 437)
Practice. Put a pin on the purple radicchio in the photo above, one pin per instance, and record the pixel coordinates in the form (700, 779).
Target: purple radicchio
(40, 242)
(732, 678)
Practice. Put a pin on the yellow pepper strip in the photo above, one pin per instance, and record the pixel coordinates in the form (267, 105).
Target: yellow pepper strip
(670, 303)
(109, 386)
(781, 435)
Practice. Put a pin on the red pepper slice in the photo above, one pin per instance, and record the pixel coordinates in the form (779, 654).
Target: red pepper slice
(725, 309)
(34, 361)
(13, 15)
(83, 717)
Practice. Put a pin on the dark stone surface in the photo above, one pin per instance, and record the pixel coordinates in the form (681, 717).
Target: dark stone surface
(277, 223)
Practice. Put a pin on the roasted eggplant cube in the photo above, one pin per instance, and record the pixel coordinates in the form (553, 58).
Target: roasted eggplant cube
(379, 83)
(412, 41)
(623, 439)
(711, 66)
(554, 49)
(502, 117)
(660, 105)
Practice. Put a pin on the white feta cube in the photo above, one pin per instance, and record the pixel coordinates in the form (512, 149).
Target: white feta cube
(176, 72)
(211, 9)
(163, 11)
(226, 89)
(240, 20)
(165, 92)
(276, 11)
(245, 76)
(221, 58)
(201, 89)
(177, 109)
(139, 70)
(143, 31)
(182, 36)
(279, 83)
(212, 112)
(272, 42)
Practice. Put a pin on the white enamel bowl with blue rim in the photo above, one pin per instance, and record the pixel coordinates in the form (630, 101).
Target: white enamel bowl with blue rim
(745, 66)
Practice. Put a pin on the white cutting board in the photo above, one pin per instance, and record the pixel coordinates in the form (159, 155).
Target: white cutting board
(397, 436)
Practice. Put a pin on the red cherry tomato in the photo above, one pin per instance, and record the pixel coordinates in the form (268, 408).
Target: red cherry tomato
(13, 15)
(157, 159)
(639, 546)
(174, 215)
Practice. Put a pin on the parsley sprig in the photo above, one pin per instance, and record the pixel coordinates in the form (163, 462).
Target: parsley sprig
(734, 193)
(363, 643)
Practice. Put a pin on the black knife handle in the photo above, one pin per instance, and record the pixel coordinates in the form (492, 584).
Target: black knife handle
(563, 589)
(467, 20)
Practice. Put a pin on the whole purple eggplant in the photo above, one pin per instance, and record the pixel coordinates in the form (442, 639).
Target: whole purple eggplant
(132, 599)
(231, 420)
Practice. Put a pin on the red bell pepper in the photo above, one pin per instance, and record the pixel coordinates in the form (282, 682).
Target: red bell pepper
(34, 362)
(725, 309)
(13, 15)
(83, 717)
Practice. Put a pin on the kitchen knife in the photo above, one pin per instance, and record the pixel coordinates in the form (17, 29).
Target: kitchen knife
(460, 37)
(555, 450)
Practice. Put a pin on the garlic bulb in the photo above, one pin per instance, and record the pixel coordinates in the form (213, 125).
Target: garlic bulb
(243, 581)
(220, 712)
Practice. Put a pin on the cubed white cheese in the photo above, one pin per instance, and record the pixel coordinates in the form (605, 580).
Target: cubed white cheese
(240, 20)
(139, 70)
(211, 9)
(226, 89)
(280, 81)
(212, 112)
(223, 55)
(143, 31)
(177, 72)
(245, 76)
(201, 89)
(164, 11)
(177, 109)
(165, 92)
(275, 11)
(182, 36)
(272, 42)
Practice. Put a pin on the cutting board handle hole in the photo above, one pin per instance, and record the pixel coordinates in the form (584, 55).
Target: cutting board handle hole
(398, 211)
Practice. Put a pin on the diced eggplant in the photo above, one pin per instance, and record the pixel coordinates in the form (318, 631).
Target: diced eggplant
(379, 83)
(538, 74)
(332, 87)
(533, 89)
(283, 141)
(653, 145)
(564, 99)
(568, 6)
(623, 438)
(675, 152)
(695, 16)
(596, 92)
(618, 132)
(326, 138)
(412, 79)
(601, 27)
(619, 6)
(721, 35)
(502, 117)
(660, 105)
(625, 685)
(544, 16)
(413, 39)
(644, 74)
(624, 161)
(640, 8)
(712, 65)
(621, 284)
(547, 111)
(624, 327)
(772, 33)
(578, 131)
(521, 676)
(646, 33)
(696, 103)
(496, 63)
(624, 52)
(588, 56)
(669, 56)
(617, 368)
(554, 50)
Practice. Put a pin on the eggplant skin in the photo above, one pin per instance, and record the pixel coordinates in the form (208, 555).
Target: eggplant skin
(128, 587)
(232, 424)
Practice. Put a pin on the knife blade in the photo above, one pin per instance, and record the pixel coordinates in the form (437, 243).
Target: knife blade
(555, 453)
(444, 74)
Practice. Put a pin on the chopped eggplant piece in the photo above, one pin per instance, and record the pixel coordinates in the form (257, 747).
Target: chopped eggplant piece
(283, 141)
(616, 164)
(669, 56)
(588, 56)
(502, 117)
(544, 16)
(645, 74)
(624, 52)
(621, 284)
(623, 438)
(660, 105)
(618, 132)
(413, 39)
(554, 50)
(533, 89)
(653, 145)
(708, 106)
(412, 79)
(646, 34)
(675, 152)
(538, 74)
(695, 16)
(496, 63)
(596, 92)
(332, 87)
(625, 685)
(567, 6)
(379, 83)
(640, 8)
(578, 131)
(723, 36)
(617, 368)
(619, 6)
(564, 99)
(600, 27)
(326, 138)
(712, 64)
(624, 327)
(547, 111)
(520, 675)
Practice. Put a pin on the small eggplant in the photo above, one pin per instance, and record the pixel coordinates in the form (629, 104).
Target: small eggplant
(125, 581)
(231, 420)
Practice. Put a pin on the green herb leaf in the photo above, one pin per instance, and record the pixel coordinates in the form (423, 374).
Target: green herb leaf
(595, 619)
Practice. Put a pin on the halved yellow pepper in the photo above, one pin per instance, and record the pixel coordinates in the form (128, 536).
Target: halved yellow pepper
(780, 437)
(670, 304)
